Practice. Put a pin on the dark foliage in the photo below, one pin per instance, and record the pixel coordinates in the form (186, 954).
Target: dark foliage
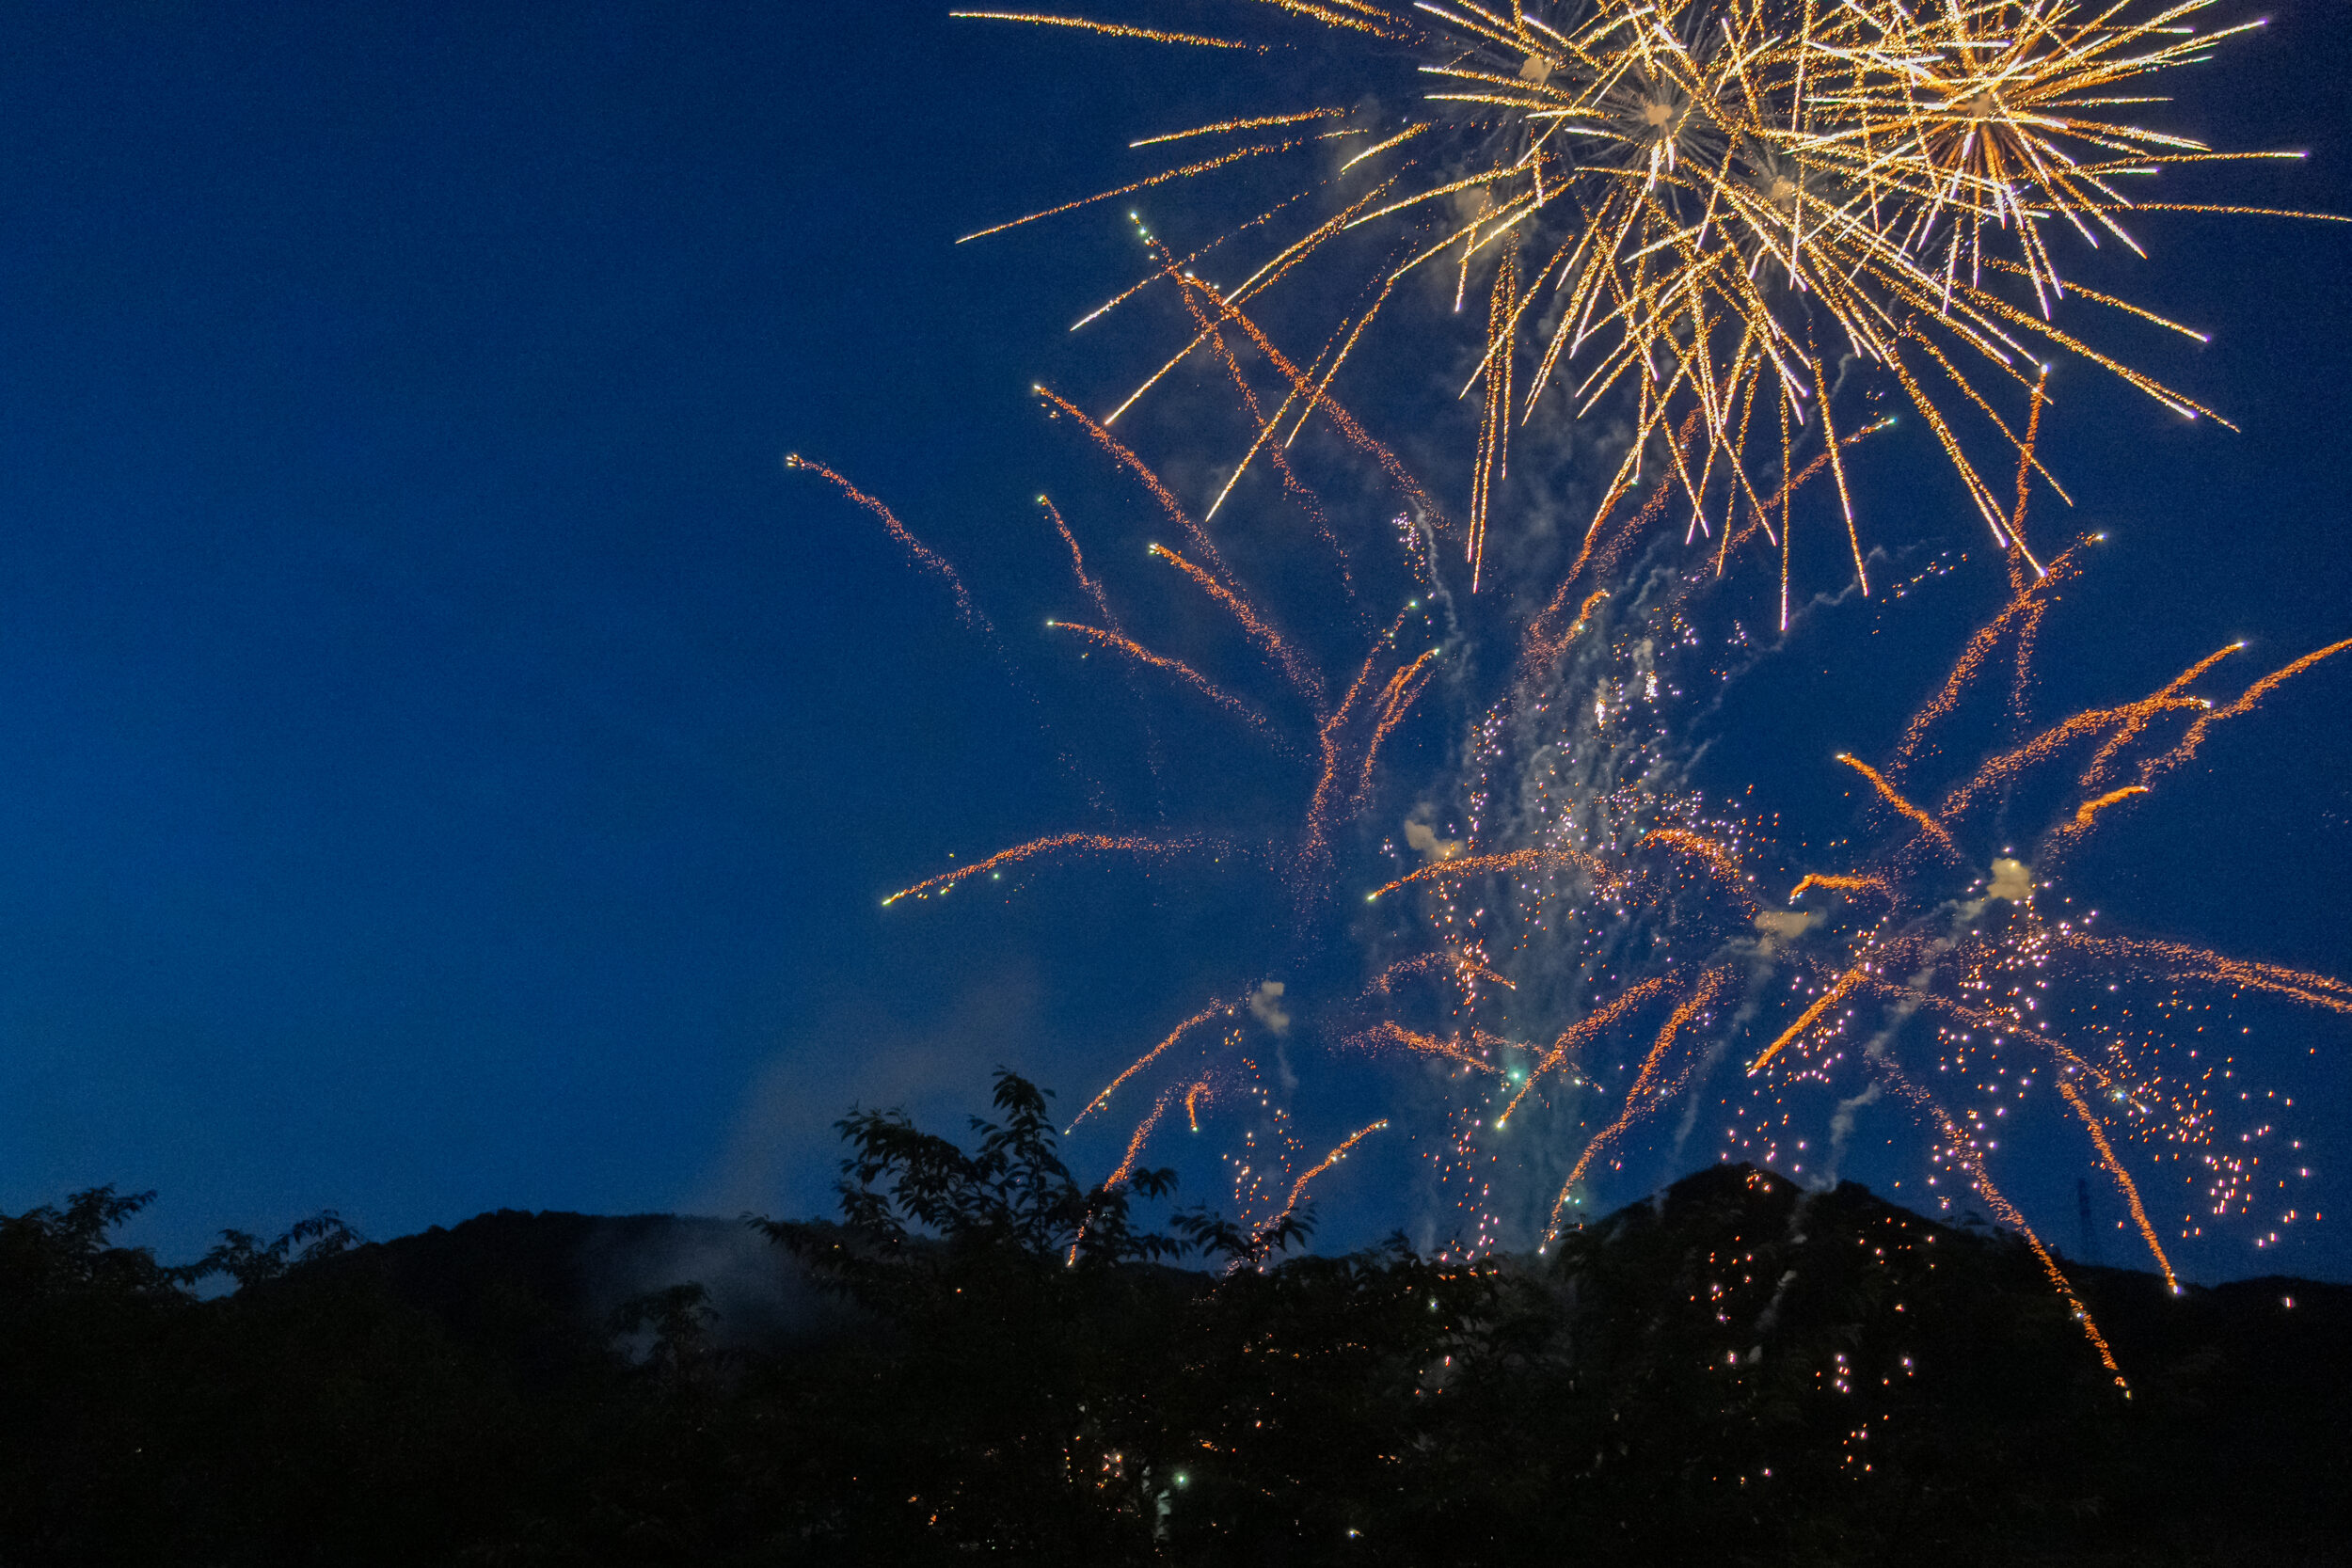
(1014, 1365)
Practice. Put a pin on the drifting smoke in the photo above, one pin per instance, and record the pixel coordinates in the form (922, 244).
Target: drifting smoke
(1265, 1005)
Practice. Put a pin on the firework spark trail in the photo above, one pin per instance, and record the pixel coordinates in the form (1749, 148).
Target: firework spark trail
(1187, 171)
(1806, 1020)
(1215, 1009)
(1391, 1033)
(1053, 844)
(1151, 35)
(2008, 765)
(1177, 668)
(1463, 967)
(1142, 1135)
(1301, 674)
(1206, 1089)
(2114, 1168)
(1880, 172)
(1542, 645)
(1516, 859)
(1264, 277)
(1298, 490)
(1917, 818)
(2156, 768)
(2067, 834)
(2135, 716)
(1300, 1186)
(1644, 1096)
(921, 554)
(1715, 857)
(1835, 883)
(1577, 1036)
(1078, 566)
(1135, 466)
(1225, 125)
(1965, 1154)
(2103, 760)
(1349, 428)
(2177, 960)
(2027, 605)
(1404, 691)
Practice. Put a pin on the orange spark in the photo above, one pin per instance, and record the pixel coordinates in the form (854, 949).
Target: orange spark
(2123, 1178)
(1093, 843)
(1479, 866)
(1211, 1010)
(1078, 566)
(923, 555)
(1120, 30)
(1840, 885)
(1642, 1097)
(1811, 1016)
(1578, 1036)
(1965, 1154)
(1918, 818)
(1302, 675)
(1452, 1050)
(1177, 668)
(2184, 963)
(1328, 1161)
(1715, 857)
(1151, 481)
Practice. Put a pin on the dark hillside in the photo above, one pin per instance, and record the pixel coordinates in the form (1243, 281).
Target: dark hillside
(1736, 1371)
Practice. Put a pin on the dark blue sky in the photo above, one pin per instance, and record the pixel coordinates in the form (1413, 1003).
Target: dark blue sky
(446, 762)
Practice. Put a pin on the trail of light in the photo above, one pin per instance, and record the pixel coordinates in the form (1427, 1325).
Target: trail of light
(1189, 169)
(1215, 1009)
(1578, 1035)
(1965, 1152)
(922, 554)
(2114, 1168)
(1329, 1160)
(2009, 765)
(1926, 824)
(1862, 883)
(1708, 853)
(1318, 400)
(1142, 1135)
(1092, 843)
(1516, 859)
(1541, 645)
(1297, 488)
(1390, 1033)
(1806, 1020)
(1645, 1094)
(1462, 965)
(1405, 689)
(2077, 828)
(1176, 668)
(1135, 466)
(1223, 125)
(1115, 29)
(2184, 963)
(1078, 566)
(2103, 760)
(2157, 767)
(2026, 604)
(1302, 675)
(1366, 19)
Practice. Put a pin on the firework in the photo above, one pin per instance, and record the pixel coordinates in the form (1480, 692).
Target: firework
(1204, 1060)
(1695, 208)
(1999, 969)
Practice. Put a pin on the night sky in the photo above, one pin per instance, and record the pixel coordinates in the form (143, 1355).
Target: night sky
(447, 763)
